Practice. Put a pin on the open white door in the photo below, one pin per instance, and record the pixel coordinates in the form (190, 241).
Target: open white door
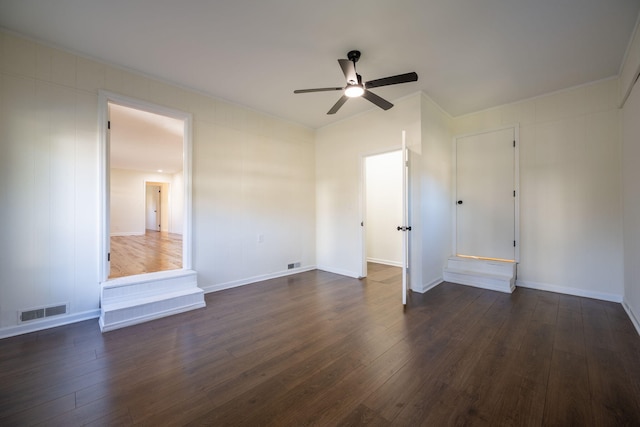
(405, 227)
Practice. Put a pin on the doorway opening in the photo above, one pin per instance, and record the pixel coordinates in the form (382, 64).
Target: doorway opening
(146, 188)
(382, 212)
(157, 206)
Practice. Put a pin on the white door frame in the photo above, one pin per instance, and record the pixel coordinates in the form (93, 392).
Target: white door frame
(516, 135)
(104, 98)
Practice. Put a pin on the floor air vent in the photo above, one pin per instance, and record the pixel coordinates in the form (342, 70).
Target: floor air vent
(40, 313)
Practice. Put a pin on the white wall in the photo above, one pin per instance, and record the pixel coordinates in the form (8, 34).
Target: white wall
(434, 169)
(570, 195)
(631, 194)
(252, 175)
(383, 183)
(340, 149)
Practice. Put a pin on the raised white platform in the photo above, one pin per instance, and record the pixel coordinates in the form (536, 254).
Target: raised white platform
(129, 300)
(486, 274)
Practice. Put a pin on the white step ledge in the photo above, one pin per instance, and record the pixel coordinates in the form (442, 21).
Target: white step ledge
(494, 282)
(135, 299)
(487, 274)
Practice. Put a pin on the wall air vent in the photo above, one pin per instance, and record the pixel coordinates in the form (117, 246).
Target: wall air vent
(25, 316)
(42, 312)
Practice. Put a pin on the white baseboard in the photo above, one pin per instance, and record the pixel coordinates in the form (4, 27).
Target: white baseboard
(428, 286)
(632, 315)
(339, 271)
(385, 262)
(569, 291)
(40, 325)
(234, 284)
(127, 233)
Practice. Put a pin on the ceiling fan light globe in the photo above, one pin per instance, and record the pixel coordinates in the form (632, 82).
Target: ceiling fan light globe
(353, 91)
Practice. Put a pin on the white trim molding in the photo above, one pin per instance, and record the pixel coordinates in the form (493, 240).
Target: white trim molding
(248, 281)
(385, 262)
(569, 291)
(426, 287)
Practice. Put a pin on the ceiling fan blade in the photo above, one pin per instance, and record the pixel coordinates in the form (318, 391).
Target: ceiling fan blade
(320, 89)
(380, 102)
(393, 80)
(338, 104)
(349, 70)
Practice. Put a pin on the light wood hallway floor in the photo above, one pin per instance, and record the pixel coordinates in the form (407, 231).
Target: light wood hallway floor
(321, 349)
(153, 251)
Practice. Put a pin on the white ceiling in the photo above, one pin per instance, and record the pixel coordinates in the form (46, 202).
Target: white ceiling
(469, 54)
(144, 141)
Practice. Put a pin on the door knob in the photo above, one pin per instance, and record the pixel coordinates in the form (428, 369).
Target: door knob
(459, 202)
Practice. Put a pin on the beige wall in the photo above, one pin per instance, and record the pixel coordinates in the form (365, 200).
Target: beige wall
(252, 175)
(570, 196)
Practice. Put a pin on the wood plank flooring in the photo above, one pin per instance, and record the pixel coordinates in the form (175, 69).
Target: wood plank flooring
(153, 251)
(321, 349)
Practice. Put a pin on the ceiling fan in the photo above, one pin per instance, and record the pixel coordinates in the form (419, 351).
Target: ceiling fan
(356, 88)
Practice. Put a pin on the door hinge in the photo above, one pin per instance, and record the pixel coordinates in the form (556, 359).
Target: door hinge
(514, 143)
(514, 193)
(514, 243)
(109, 256)
(109, 124)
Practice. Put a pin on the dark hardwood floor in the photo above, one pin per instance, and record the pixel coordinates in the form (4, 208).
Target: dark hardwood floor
(321, 349)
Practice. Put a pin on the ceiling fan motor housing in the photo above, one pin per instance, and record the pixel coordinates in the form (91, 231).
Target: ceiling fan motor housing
(353, 56)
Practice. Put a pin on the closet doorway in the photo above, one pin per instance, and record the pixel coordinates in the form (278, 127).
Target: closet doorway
(383, 195)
